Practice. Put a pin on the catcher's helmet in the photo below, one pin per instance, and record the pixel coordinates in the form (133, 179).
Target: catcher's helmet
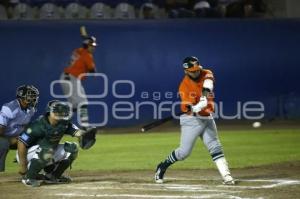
(191, 64)
(29, 93)
(59, 110)
(89, 41)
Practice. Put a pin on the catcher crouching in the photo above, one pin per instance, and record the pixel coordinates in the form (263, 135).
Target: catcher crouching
(39, 150)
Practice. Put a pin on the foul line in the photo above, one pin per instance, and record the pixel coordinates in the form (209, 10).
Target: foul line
(276, 183)
(138, 196)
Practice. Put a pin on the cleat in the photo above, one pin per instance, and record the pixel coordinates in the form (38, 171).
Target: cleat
(31, 182)
(232, 182)
(228, 180)
(64, 179)
(50, 179)
(159, 175)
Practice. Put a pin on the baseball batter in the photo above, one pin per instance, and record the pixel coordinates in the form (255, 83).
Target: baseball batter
(39, 146)
(14, 116)
(196, 92)
(82, 62)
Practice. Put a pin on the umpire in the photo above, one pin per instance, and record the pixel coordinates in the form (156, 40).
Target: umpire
(14, 116)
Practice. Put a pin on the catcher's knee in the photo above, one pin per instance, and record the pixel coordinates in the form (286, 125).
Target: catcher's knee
(46, 155)
(72, 148)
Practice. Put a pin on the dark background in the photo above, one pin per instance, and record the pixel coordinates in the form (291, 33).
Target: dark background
(253, 60)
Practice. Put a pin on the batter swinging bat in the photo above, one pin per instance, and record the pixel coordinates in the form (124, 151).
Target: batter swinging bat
(158, 122)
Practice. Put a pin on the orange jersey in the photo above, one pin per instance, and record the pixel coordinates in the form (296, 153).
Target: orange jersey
(191, 91)
(82, 61)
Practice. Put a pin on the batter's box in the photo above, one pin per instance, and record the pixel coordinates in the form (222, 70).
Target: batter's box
(170, 190)
(262, 183)
(240, 183)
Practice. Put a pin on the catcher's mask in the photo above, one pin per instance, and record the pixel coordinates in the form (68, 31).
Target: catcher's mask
(29, 94)
(59, 110)
(191, 64)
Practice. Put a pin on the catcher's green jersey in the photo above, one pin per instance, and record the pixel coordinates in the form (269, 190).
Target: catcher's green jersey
(41, 132)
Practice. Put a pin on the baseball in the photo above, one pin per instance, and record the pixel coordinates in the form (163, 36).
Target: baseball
(256, 124)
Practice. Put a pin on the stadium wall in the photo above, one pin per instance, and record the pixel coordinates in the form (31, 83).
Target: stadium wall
(253, 60)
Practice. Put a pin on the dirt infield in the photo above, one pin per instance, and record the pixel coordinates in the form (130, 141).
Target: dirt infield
(271, 181)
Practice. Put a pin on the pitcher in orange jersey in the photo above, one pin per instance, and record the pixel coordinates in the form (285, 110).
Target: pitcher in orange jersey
(196, 92)
(82, 62)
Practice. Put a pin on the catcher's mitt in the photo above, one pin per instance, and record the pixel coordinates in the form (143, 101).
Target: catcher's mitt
(88, 139)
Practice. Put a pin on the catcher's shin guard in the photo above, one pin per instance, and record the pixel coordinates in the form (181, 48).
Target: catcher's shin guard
(36, 165)
(49, 168)
(61, 167)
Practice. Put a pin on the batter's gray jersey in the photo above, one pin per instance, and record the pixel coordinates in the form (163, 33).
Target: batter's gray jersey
(14, 118)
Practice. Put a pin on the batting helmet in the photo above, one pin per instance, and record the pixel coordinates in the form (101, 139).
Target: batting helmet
(59, 110)
(89, 41)
(191, 64)
(29, 93)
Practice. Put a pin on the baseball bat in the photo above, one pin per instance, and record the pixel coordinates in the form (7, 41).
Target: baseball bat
(83, 31)
(158, 122)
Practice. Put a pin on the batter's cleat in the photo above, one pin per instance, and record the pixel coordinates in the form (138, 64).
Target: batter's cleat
(228, 180)
(159, 174)
(31, 182)
(50, 179)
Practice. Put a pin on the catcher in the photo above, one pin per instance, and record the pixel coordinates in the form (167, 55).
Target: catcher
(39, 148)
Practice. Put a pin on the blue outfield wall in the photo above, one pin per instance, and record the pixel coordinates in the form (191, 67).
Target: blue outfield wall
(253, 60)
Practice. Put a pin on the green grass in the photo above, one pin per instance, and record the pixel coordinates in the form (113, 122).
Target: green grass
(144, 151)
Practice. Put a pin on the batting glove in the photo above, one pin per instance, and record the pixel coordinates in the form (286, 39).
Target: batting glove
(200, 105)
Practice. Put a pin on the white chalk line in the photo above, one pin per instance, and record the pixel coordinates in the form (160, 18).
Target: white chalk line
(275, 183)
(186, 188)
(192, 188)
(140, 196)
(143, 186)
(200, 190)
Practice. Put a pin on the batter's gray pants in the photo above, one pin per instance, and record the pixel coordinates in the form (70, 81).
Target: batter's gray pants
(193, 127)
(73, 90)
